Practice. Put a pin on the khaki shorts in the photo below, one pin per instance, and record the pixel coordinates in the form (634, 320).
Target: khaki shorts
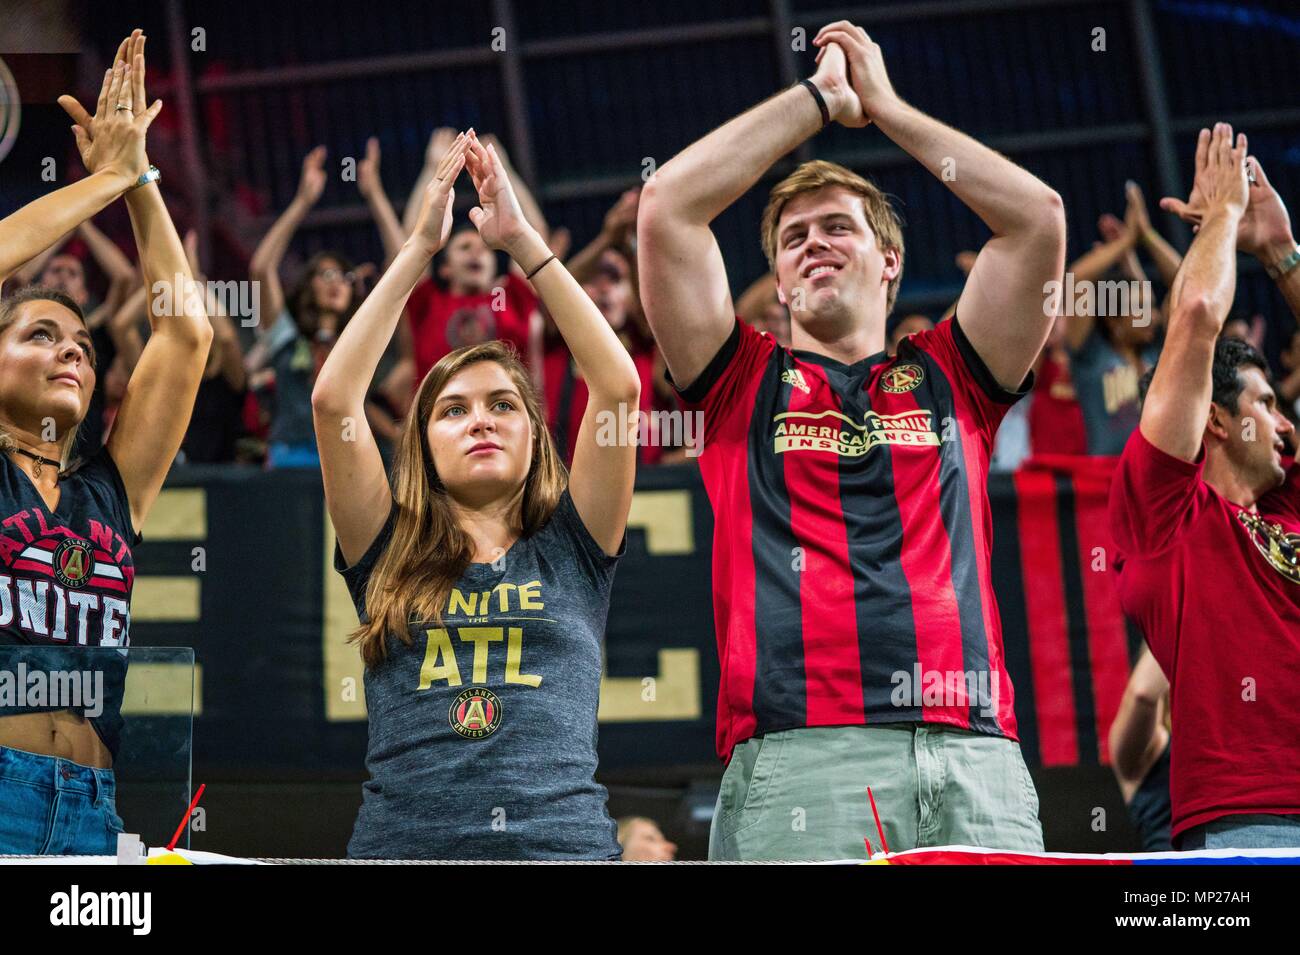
(801, 794)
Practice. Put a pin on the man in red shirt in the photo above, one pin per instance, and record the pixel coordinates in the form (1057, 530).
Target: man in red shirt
(1055, 419)
(471, 304)
(467, 301)
(606, 268)
(609, 284)
(1205, 513)
(858, 634)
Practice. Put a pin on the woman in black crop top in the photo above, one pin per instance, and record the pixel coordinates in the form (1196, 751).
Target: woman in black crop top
(67, 529)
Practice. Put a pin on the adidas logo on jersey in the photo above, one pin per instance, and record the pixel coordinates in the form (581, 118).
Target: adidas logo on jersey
(794, 377)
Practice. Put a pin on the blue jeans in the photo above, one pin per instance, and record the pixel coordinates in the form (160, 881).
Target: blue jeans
(52, 806)
(279, 456)
(1243, 832)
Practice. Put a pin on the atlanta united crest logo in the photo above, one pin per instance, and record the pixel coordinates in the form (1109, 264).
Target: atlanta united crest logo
(73, 561)
(902, 378)
(471, 326)
(475, 713)
(1280, 548)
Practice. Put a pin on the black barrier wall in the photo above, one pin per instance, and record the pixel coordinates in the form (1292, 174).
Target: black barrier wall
(237, 564)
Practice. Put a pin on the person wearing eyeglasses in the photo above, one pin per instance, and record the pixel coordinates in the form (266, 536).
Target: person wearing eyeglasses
(300, 326)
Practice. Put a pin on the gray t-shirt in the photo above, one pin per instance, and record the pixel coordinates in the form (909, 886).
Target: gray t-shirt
(1106, 385)
(483, 731)
(290, 354)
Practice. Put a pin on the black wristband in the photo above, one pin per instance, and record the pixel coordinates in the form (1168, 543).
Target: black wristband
(821, 102)
(545, 262)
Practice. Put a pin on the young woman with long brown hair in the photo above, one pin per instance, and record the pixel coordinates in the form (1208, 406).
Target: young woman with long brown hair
(298, 327)
(482, 575)
(66, 533)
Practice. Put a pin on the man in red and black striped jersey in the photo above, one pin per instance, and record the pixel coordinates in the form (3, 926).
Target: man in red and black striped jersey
(858, 635)
(1205, 512)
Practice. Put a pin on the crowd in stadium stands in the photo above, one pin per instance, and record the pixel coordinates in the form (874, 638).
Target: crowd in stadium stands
(254, 406)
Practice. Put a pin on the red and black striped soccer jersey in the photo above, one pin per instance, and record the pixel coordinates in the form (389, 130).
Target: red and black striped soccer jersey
(852, 535)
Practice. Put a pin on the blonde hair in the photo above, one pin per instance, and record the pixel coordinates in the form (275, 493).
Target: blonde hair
(428, 551)
(820, 174)
(9, 309)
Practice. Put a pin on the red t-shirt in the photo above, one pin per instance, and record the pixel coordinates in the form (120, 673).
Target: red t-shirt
(442, 322)
(1223, 621)
(1055, 418)
(566, 393)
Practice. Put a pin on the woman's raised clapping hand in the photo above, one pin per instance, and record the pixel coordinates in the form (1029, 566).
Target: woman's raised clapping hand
(113, 140)
(433, 227)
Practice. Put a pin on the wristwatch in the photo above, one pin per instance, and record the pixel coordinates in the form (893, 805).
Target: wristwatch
(149, 175)
(1281, 268)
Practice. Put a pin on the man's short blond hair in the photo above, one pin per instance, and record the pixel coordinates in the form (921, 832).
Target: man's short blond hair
(820, 174)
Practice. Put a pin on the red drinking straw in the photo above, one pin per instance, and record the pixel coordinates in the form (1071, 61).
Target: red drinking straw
(184, 822)
(879, 828)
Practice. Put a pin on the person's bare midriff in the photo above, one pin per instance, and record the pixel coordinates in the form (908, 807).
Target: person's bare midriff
(62, 734)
